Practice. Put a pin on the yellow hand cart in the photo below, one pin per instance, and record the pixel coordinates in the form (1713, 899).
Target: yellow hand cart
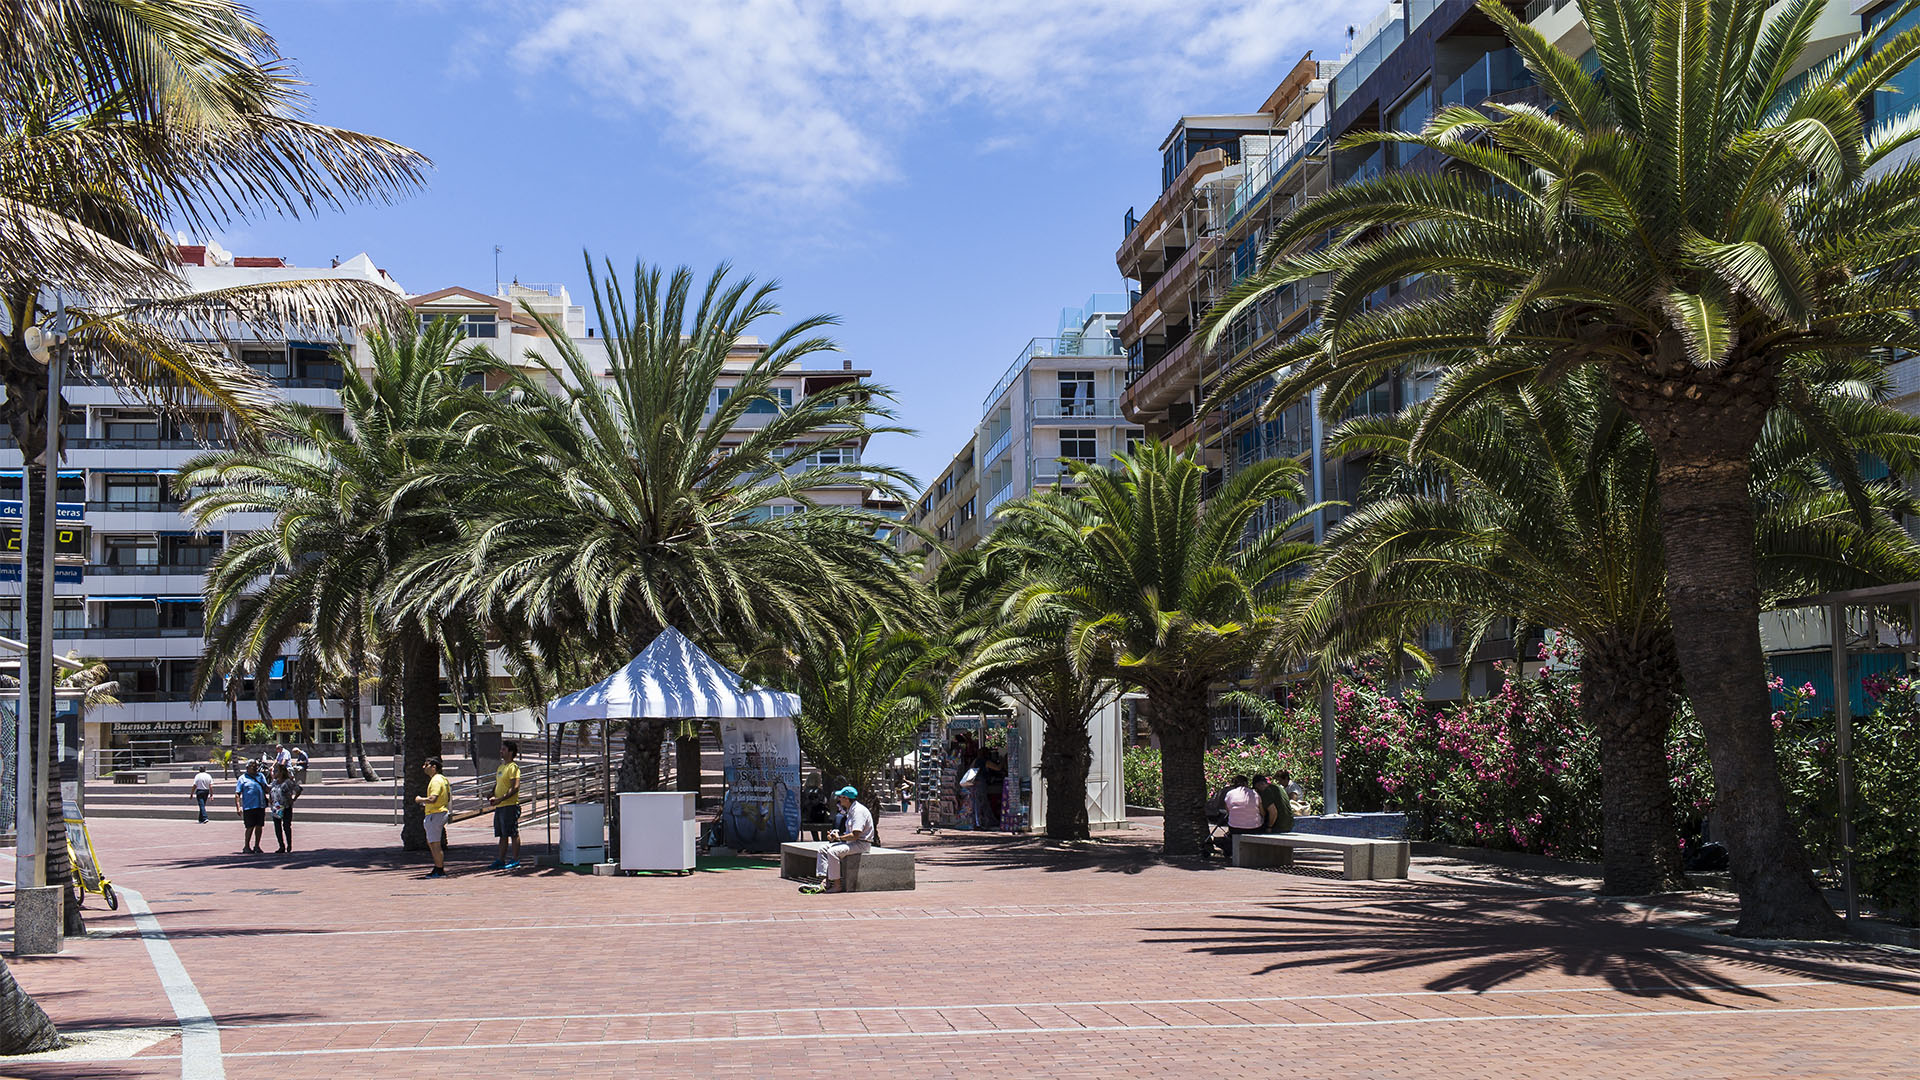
(87, 877)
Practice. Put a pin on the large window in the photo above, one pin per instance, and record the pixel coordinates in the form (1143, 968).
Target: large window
(132, 426)
(131, 551)
(189, 552)
(484, 324)
(1076, 393)
(269, 363)
(142, 489)
(1410, 115)
(1902, 92)
(1078, 444)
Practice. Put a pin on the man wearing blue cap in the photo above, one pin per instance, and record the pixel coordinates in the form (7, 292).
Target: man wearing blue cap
(857, 838)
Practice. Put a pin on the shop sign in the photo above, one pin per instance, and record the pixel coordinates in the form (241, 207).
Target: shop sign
(163, 727)
(286, 725)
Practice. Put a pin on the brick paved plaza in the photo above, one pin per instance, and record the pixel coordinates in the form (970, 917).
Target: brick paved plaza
(1008, 960)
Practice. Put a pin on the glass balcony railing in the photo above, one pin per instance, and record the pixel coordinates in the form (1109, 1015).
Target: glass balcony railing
(998, 447)
(1065, 345)
(1494, 73)
(1376, 42)
(999, 498)
(1076, 408)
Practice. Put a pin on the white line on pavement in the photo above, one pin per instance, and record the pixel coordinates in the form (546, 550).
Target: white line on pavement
(1609, 989)
(1001, 1032)
(199, 1034)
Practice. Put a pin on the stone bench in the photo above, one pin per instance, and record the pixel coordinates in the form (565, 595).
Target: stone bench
(1363, 859)
(874, 870)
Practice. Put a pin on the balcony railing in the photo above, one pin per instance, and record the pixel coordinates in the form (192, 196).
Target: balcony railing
(122, 506)
(102, 443)
(1076, 408)
(1308, 136)
(128, 632)
(998, 499)
(999, 447)
(1495, 73)
(157, 569)
(1070, 345)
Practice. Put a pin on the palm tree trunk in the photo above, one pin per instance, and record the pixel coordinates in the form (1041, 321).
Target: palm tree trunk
(1703, 433)
(1628, 692)
(1178, 715)
(24, 1026)
(357, 736)
(686, 762)
(59, 866)
(419, 727)
(1066, 754)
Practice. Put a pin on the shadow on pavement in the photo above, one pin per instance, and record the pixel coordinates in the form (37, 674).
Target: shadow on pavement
(1483, 938)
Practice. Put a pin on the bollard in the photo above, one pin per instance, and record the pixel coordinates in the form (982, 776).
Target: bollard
(37, 920)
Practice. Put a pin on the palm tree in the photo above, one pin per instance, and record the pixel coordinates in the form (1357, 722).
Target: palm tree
(1699, 223)
(1162, 591)
(628, 491)
(1023, 654)
(346, 514)
(118, 119)
(1538, 504)
(862, 699)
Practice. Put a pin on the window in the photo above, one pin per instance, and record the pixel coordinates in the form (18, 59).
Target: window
(269, 363)
(132, 426)
(474, 323)
(69, 614)
(134, 488)
(1076, 393)
(840, 455)
(131, 551)
(946, 486)
(189, 552)
(130, 615)
(1136, 438)
(1411, 115)
(967, 510)
(1077, 444)
(762, 405)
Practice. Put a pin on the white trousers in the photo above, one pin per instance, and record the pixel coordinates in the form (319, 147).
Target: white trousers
(827, 863)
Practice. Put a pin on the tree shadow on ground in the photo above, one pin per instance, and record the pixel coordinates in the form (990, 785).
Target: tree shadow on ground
(1002, 851)
(1481, 938)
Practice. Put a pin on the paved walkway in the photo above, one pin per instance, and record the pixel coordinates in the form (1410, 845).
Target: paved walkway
(1009, 960)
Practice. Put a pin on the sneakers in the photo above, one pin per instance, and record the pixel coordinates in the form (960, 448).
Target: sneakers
(498, 864)
(514, 865)
(437, 873)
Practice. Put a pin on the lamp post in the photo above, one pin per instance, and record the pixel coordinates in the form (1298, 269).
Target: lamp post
(33, 763)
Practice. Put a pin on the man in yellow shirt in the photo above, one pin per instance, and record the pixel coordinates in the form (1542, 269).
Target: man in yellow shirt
(435, 803)
(506, 805)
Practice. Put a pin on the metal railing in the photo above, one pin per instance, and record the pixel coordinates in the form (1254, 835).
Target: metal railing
(156, 569)
(998, 499)
(1071, 345)
(1075, 408)
(123, 506)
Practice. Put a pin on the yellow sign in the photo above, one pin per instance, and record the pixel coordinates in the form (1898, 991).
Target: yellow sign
(286, 725)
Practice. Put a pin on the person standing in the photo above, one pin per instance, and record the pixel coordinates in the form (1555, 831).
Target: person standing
(284, 790)
(856, 838)
(250, 800)
(506, 805)
(435, 804)
(1244, 814)
(202, 790)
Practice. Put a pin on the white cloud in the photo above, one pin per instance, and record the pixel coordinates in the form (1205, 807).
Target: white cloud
(802, 99)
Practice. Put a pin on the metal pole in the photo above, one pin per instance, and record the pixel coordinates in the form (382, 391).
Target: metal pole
(1843, 723)
(29, 837)
(44, 765)
(1329, 751)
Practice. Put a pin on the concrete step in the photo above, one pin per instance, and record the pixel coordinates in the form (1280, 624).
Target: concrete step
(189, 812)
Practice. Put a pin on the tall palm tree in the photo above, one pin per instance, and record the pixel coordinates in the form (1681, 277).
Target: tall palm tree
(863, 696)
(1700, 224)
(1166, 592)
(346, 514)
(1539, 504)
(627, 492)
(1023, 654)
(118, 119)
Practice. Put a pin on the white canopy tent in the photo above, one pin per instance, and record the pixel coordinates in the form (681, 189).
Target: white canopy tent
(671, 679)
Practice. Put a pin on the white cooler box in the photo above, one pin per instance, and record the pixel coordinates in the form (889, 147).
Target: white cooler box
(657, 830)
(583, 837)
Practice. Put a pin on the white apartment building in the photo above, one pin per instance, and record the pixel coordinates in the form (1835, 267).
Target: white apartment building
(1059, 401)
(139, 605)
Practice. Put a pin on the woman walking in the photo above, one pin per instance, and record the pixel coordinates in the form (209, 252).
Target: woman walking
(284, 789)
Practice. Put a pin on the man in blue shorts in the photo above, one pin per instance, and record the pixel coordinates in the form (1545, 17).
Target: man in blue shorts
(250, 799)
(506, 805)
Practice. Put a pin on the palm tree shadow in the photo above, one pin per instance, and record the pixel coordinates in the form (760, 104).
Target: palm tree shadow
(1479, 939)
(1002, 851)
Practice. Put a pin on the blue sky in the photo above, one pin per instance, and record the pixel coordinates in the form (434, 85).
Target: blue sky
(944, 175)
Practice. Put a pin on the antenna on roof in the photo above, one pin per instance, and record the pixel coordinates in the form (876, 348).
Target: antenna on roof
(496, 269)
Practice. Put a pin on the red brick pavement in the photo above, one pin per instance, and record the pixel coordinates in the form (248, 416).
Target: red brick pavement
(1008, 960)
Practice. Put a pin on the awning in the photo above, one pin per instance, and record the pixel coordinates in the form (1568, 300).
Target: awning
(671, 679)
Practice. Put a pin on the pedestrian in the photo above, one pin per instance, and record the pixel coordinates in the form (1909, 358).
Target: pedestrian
(202, 790)
(434, 804)
(506, 805)
(300, 763)
(284, 790)
(1244, 814)
(1296, 795)
(856, 838)
(250, 800)
(1275, 810)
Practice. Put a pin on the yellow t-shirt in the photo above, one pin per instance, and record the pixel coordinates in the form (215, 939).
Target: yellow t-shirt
(439, 794)
(505, 779)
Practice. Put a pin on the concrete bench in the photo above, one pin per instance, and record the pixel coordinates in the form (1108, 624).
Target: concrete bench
(1363, 859)
(874, 870)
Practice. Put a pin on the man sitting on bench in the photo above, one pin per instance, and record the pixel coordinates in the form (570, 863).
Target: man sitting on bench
(857, 838)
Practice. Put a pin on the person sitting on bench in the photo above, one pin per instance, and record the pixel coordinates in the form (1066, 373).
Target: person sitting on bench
(857, 838)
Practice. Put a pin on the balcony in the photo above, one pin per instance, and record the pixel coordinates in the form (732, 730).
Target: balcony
(1070, 345)
(1495, 73)
(1377, 40)
(148, 570)
(1075, 409)
(138, 444)
(1307, 138)
(998, 448)
(110, 506)
(1175, 282)
(107, 632)
(999, 498)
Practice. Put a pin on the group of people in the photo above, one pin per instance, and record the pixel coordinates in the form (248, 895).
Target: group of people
(981, 779)
(437, 805)
(1258, 805)
(260, 791)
